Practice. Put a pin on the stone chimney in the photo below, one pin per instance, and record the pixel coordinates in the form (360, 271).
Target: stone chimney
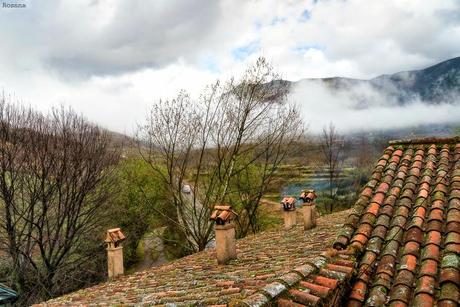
(113, 240)
(223, 216)
(308, 208)
(289, 213)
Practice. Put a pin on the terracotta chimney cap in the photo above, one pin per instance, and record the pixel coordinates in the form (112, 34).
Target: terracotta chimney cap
(114, 236)
(223, 214)
(308, 196)
(288, 203)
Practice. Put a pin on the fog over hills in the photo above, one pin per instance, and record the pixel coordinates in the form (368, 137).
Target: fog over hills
(425, 97)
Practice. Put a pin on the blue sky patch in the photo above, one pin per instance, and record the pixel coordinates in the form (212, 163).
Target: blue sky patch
(301, 49)
(210, 64)
(277, 20)
(305, 16)
(243, 52)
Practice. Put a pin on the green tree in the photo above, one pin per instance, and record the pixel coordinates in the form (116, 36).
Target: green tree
(140, 204)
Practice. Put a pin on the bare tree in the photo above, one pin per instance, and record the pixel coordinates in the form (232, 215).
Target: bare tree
(54, 184)
(332, 155)
(365, 153)
(209, 144)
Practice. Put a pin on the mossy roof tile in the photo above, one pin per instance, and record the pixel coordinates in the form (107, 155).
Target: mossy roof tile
(421, 247)
(266, 262)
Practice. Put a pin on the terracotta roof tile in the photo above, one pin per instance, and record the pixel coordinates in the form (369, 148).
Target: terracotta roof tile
(399, 246)
(339, 268)
(431, 251)
(383, 280)
(414, 234)
(387, 210)
(450, 275)
(290, 279)
(386, 265)
(222, 214)
(288, 303)
(365, 229)
(411, 248)
(405, 277)
(449, 295)
(383, 188)
(423, 300)
(426, 284)
(333, 274)
(268, 264)
(325, 281)
(308, 196)
(367, 191)
(373, 208)
(408, 262)
(433, 237)
(400, 293)
(434, 225)
(289, 203)
(316, 289)
(114, 236)
(413, 255)
(429, 267)
(359, 291)
(304, 297)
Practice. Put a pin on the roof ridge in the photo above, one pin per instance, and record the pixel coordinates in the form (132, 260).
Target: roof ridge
(427, 140)
(333, 266)
(264, 265)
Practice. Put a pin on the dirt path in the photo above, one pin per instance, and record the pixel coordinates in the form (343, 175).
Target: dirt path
(153, 254)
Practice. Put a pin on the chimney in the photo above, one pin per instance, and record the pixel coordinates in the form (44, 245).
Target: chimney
(308, 208)
(223, 215)
(113, 240)
(289, 212)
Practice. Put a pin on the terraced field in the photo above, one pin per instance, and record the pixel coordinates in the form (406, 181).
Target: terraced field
(291, 179)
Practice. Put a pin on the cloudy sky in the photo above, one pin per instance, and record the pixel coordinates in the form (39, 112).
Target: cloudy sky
(110, 59)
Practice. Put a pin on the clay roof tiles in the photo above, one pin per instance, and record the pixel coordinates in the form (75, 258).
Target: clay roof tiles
(410, 254)
(114, 236)
(222, 214)
(399, 246)
(308, 196)
(288, 203)
(268, 265)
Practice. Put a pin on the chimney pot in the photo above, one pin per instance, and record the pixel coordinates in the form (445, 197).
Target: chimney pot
(289, 213)
(223, 215)
(113, 239)
(308, 208)
(308, 196)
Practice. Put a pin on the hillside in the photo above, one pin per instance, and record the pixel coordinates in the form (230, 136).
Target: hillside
(436, 84)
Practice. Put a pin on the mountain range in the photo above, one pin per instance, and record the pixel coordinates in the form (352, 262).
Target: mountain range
(436, 84)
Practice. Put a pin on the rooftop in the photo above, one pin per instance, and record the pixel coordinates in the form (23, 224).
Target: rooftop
(405, 227)
(398, 246)
(197, 278)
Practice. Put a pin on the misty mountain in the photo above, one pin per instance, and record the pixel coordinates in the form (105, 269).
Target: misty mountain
(436, 84)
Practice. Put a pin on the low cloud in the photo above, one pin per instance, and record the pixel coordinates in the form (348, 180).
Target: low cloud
(362, 108)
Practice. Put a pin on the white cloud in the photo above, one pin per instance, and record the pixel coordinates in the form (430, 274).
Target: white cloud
(110, 58)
